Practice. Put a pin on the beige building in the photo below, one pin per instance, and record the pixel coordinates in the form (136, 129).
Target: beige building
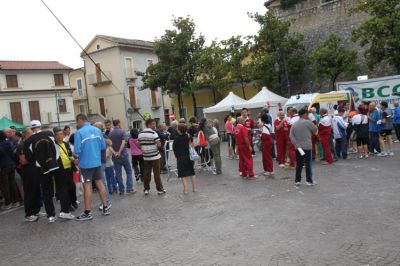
(38, 90)
(77, 81)
(114, 90)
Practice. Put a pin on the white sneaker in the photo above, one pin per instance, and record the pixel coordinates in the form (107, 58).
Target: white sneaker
(297, 184)
(391, 153)
(51, 219)
(268, 173)
(382, 154)
(32, 218)
(310, 184)
(41, 214)
(146, 192)
(361, 157)
(366, 156)
(281, 165)
(65, 215)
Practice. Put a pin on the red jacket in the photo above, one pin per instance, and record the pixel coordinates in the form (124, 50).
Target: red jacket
(241, 133)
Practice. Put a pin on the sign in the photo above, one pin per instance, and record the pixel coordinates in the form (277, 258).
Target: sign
(172, 116)
(365, 77)
(378, 90)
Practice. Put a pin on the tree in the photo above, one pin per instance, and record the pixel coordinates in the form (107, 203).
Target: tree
(331, 59)
(238, 61)
(177, 69)
(278, 56)
(380, 33)
(214, 69)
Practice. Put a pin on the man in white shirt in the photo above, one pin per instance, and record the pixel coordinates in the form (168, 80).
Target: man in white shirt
(339, 133)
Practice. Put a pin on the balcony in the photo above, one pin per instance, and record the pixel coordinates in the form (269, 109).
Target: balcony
(100, 79)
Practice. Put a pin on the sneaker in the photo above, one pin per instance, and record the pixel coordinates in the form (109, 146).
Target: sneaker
(74, 205)
(161, 192)
(16, 205)
(268, 173)
(41, 214)
(146, 192)
(121, 193)
(310, 184)
(297, 184)
(101, 207)
(361, 157)
(84, 217)
(66, 215)
(282, 165)
(6, 207)
(132, 191)
(31, 218)
(51, 219)
(396, 140)
(391, 153)
(107, 211)
(382, 154)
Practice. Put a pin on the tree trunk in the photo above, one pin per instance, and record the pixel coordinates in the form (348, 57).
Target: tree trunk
(244, 94)
(194, 105)
(215, 98)
(180, 105)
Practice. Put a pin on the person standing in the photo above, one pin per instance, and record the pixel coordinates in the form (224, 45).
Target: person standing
(109, 169)
(374, 128)
(282, 137)
(293, 118)
(150, 143)
(300, 138)
(211, 135)
(244, 149)
(396, 120)
(267, 143)
(67, 133)
(324, 133)
(40, 149)
(164, 135)
(385, 138)
(137, 155)
(360, 122)
(108, 126)
(63, 176)
(185, 166)
(88, 144)
(229, 128)
(340, 134)
(121, 158)
(249, 124)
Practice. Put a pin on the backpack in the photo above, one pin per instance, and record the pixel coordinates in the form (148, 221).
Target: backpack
(202, 139)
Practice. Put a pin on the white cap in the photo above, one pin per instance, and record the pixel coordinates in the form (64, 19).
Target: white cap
(35, 124)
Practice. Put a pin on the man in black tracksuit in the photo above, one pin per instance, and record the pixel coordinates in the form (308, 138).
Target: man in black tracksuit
(40, 150)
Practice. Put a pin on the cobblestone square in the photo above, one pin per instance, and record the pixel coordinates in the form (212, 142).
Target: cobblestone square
(350, 218)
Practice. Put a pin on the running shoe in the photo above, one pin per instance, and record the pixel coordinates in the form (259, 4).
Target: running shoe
(31, 218)
(84, 217)
(66, 215)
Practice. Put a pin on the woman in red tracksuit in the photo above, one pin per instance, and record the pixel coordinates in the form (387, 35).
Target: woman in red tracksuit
(282, 129)
(324, 133)
(267, 143)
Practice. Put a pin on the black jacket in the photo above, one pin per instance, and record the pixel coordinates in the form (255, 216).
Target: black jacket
(40, 149)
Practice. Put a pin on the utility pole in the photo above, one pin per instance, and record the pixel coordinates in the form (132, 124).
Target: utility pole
(57, 95)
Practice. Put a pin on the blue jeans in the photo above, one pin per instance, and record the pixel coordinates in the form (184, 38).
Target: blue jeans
(341, 147)
(374, 142)
(123, 161)
(103, 178)
(300, 161)
(111, 180)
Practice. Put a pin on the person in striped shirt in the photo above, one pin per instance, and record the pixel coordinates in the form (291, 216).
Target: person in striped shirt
(150, 144)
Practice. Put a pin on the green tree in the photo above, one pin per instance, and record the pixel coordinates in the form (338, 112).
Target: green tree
(277, 55)
(177, 69)
(214, 69)
(239, 67)
(331, 59)
(381, 32)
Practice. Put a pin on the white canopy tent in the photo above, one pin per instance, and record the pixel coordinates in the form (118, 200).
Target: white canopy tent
(263, 99)
(225, 105)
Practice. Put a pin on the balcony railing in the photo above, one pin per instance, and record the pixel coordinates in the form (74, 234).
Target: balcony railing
(100, 79)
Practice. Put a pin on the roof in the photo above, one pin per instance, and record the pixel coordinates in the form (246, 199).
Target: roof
(32, 65)
(6, 123)
(268, 3)
(263, 98)
(229, 102)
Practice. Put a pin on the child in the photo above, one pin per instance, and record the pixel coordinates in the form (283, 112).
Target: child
(109, 170)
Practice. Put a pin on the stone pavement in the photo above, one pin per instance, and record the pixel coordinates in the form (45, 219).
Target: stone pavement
(350, 218)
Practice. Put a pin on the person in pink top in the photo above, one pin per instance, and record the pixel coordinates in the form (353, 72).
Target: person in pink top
(137, 155)
(229, 127)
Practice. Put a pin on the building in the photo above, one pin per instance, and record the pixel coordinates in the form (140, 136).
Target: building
(38, 90)
(77, 81)
(114, 90)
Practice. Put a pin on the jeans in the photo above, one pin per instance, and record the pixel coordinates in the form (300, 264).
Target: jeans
(374, 142)
(103, 178)
(397, 130)
(111, 180)
(341, 147)
(123, 161)
(300, 161)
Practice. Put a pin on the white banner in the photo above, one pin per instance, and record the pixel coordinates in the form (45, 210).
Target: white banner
(378, 90)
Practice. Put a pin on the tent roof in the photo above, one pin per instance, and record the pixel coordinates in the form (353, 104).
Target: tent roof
(6, 123)
(226, 104)
(262, 97)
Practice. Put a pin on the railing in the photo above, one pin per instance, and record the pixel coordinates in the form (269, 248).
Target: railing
(100, 79)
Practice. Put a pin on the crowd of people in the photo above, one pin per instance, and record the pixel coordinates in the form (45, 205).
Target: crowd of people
(38, 165)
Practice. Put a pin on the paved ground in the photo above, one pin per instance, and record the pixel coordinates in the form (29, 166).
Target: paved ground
(350, 218)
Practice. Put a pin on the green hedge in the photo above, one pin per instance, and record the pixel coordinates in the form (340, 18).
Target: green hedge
(289, 3)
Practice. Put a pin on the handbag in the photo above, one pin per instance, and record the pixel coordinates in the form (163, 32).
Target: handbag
(193, 154)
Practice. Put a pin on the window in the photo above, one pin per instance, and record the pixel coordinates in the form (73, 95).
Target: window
(34, 110)
(98, 47)
(62, 106)
(137, 124)
(12, 81)
(149, 62)
(154, 97)
(128, 68)
(132, 96)
(58, 80)
(16, 112)
(82, 109)
(79, 87)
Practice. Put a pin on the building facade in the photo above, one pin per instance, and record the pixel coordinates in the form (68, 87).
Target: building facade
(114, 90)
(36, 90)
(77, 81)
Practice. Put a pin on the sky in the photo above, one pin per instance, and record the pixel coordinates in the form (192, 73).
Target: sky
(30, 32)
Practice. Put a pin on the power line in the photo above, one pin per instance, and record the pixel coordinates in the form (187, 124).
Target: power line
(91, 59)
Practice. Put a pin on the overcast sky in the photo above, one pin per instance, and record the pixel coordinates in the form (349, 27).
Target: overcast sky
(29, 32)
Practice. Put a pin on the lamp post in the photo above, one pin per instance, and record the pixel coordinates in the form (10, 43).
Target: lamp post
(57, 95)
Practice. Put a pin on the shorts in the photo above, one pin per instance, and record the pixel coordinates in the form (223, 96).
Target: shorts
(231, 141)
(91, 174)
(361, 141)
(386, 132)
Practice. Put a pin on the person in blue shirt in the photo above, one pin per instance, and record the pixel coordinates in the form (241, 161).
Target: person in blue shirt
(374, 117)
(396, 120)
(88, 144)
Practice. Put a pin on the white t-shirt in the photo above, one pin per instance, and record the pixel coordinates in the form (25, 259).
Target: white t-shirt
(311, 117)
(326, 121)
(267, 129)
(294, 119)
(359, 119)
